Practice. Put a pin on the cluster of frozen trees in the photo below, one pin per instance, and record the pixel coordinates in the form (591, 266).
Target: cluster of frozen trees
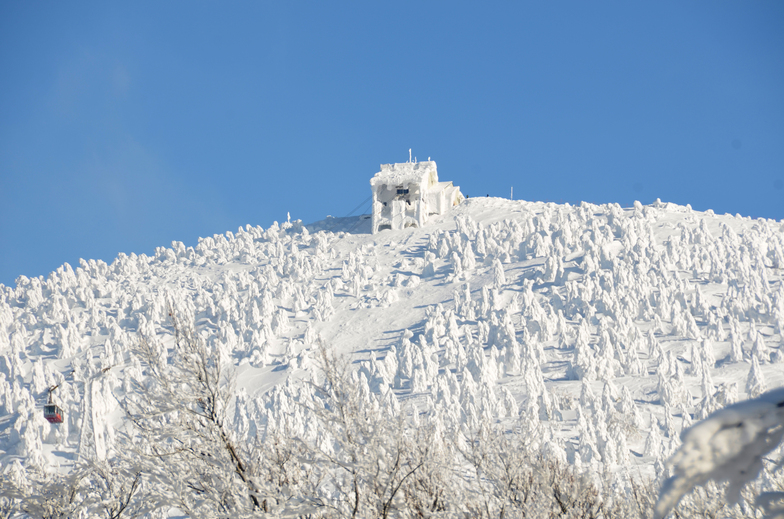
(332, 448)
(532, 324)
(336, 448)
(88, 319)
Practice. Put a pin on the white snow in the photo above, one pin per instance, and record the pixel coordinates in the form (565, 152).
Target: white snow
(607, 330)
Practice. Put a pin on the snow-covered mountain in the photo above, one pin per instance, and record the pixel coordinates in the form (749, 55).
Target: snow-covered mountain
(599, 332)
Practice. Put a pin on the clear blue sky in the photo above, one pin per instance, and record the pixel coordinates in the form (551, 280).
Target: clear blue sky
(126, 125)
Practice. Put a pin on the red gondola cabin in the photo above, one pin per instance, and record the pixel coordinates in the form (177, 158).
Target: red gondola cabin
(53, 413)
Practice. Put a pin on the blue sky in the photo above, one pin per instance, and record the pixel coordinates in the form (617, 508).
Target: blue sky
(124, 126)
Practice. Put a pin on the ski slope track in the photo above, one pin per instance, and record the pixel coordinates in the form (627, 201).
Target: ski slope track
(603, 331)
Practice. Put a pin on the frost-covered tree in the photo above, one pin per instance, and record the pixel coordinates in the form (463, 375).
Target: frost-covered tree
(182, 432)
(755, 382)
(516, 477)
(728, 446)
(109, 490)
(499, 278)
(760, 350)
(373, 463)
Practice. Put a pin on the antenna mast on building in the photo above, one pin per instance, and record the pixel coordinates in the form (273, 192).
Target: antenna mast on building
(409, 154)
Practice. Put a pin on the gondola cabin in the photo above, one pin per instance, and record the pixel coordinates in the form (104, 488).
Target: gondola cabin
(53, 413)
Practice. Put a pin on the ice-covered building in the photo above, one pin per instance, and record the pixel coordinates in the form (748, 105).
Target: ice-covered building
(408, 194)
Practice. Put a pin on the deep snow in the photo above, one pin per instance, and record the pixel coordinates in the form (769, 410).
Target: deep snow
(605, 330)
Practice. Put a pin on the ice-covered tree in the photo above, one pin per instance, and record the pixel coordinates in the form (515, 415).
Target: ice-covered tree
(89, 489)
(373, 465)
(182, 432)
(728, 446)
(499, 278)
(755, 382)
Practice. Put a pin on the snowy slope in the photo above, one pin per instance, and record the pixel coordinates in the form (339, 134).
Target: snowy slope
(606, 330)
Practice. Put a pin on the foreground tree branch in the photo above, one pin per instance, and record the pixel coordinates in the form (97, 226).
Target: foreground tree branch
(182, 429)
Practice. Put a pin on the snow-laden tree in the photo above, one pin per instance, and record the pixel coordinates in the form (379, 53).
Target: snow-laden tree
(521, 475)
(499, 277)
(182, 435)
(728, 446)
(373, 464)
(755, 382)
(110, 490)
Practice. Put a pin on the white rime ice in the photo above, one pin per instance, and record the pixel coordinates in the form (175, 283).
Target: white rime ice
(755, 383)
(728, 446)
(580, 338)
